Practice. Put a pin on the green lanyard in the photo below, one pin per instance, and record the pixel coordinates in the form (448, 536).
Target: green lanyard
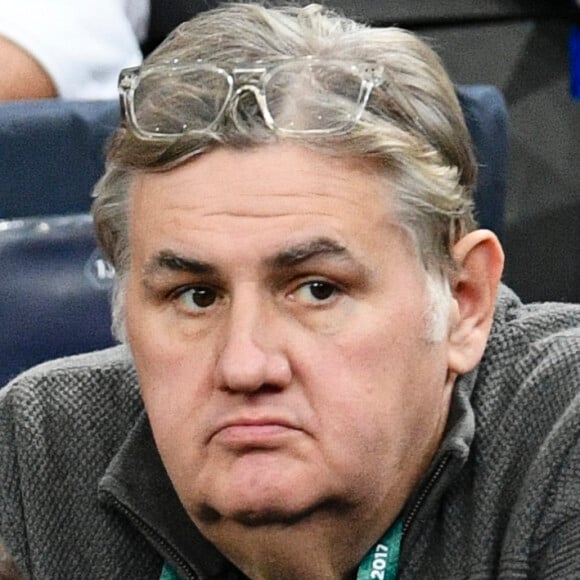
(168, 573)
(380, 563)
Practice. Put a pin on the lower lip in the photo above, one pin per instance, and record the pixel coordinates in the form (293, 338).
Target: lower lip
(268, 435)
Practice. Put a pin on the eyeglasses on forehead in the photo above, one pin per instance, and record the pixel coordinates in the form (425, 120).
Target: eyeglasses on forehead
(294, 96)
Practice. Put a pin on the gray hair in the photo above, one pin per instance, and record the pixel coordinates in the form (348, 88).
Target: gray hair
(412, 128)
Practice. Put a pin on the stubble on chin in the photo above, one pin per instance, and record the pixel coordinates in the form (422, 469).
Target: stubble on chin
(286, 545)
(208, 515)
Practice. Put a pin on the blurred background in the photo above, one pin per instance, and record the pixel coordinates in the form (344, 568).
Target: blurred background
(59, 105)
(524, 48)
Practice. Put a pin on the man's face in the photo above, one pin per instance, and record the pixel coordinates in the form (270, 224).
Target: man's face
(278, 319)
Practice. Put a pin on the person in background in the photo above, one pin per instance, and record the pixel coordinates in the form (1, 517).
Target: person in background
(79, 55)
(321, 374)
(72, 50)
(76, 50)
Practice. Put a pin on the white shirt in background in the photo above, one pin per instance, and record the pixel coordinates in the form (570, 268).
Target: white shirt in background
(82, 44)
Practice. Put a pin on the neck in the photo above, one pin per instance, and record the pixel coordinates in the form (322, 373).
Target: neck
(326, 545)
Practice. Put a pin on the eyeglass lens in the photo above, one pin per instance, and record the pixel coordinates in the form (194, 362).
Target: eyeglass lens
(180, 101)
(317, 97)
(299, 97)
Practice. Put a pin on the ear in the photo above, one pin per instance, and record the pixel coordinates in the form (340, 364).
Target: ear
(479, 261)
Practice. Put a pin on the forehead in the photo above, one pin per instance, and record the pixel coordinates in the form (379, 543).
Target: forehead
(271, 196)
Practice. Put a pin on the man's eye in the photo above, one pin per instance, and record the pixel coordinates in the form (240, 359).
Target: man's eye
(197, 299)
(316, 292)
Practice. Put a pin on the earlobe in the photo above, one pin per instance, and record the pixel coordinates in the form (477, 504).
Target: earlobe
(479, 260)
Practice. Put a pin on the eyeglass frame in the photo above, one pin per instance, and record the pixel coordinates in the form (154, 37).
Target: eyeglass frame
(129, 79)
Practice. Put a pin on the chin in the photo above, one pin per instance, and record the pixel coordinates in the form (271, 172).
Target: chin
(260, 502)
(260, 483)
(281, 502)
(273, 516)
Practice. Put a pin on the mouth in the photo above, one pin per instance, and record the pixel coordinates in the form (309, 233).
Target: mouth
(264, 432)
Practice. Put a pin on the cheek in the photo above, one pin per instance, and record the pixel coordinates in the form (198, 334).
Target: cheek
(379, 387)
(173, 375)
(172, 386)
(174, 394)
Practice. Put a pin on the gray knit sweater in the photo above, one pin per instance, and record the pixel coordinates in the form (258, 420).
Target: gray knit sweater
(83, 493)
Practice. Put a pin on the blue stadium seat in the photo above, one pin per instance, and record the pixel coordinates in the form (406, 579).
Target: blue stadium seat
(51, 153)
(55, 291)
(486, 115)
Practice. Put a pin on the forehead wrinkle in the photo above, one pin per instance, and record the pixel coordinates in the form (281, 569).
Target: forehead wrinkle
(340, 192)
(254, 215)
(255, 210)
(348, 195)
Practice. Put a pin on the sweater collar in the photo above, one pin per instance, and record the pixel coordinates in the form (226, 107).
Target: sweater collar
(447, 461)
(136, 484)
(458, 437)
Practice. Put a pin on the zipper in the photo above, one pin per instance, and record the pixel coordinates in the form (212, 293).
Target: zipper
(154, 537)
(425, 492)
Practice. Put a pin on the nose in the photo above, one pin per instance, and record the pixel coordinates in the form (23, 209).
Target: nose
(252, 356)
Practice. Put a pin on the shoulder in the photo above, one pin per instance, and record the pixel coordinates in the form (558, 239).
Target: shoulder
(525, 327)
(76, 386)
(529, 377)
(527, 404)
(526, 398)
(520, 485)
(62, 406)
(61, 423)
(67, 410)
(532, 359)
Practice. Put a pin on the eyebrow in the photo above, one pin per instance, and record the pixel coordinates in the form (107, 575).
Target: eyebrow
(288, 258)
(167, 260)
(311, 249)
